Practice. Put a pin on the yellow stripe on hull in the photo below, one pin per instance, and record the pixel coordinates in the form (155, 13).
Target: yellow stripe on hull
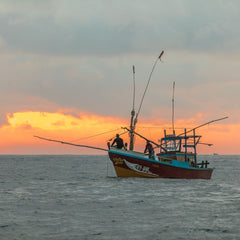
(123, 172)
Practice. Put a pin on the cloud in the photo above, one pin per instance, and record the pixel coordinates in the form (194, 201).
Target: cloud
(77, 56)
(96, 130)
(25, 126)
(103, 28)
(11, 102)
(59, 123)
(22, 126)
(104, 85)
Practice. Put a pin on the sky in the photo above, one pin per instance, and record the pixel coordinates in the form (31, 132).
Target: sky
(66, 72)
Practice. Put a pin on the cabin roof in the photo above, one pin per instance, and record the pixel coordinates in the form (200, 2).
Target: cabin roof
(179, 137)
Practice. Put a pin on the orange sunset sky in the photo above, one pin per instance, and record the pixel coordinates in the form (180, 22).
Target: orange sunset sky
(66, 72)
(96, 130)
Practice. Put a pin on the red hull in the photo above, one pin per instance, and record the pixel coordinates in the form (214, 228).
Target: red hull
(127, 165)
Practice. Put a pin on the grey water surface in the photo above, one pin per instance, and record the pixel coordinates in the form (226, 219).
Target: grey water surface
(69, 197)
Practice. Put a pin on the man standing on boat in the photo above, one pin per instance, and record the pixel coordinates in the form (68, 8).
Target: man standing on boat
(149, 149)
(118, 141)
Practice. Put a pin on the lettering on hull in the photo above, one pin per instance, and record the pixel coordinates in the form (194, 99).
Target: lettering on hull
(139, 168)
(118, 161)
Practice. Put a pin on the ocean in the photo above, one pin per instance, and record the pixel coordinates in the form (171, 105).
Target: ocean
(69, 197)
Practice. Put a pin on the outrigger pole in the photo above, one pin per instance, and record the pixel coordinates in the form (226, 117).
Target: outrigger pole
(216, 120)
(68, 143)
(193, 129)
(157, 145)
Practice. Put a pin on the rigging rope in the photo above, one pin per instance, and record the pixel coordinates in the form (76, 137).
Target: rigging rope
(119, 135)
(99, 134)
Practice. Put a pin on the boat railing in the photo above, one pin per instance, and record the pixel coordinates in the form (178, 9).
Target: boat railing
(130, 152)
(182, 144)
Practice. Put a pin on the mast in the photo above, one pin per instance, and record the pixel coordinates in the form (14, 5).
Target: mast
(173, 108)
(134, 118)
(173, 112)
(132, 126)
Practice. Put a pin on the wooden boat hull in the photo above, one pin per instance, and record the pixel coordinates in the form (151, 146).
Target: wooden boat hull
(129, 165)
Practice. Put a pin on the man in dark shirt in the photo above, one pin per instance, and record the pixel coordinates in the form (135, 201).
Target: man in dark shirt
(118, 141)
(149, 149)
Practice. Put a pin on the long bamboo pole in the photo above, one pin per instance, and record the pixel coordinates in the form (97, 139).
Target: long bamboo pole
(72, 144)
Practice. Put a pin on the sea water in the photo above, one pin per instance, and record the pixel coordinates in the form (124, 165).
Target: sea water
(80, 197)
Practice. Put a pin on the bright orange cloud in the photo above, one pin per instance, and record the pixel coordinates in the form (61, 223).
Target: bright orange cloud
(17, 135)
(22, 126)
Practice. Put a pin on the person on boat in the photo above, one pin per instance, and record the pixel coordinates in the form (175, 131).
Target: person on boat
(118, 142)
(149, 149)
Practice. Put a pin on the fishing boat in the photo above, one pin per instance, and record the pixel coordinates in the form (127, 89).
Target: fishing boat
(175, 156)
